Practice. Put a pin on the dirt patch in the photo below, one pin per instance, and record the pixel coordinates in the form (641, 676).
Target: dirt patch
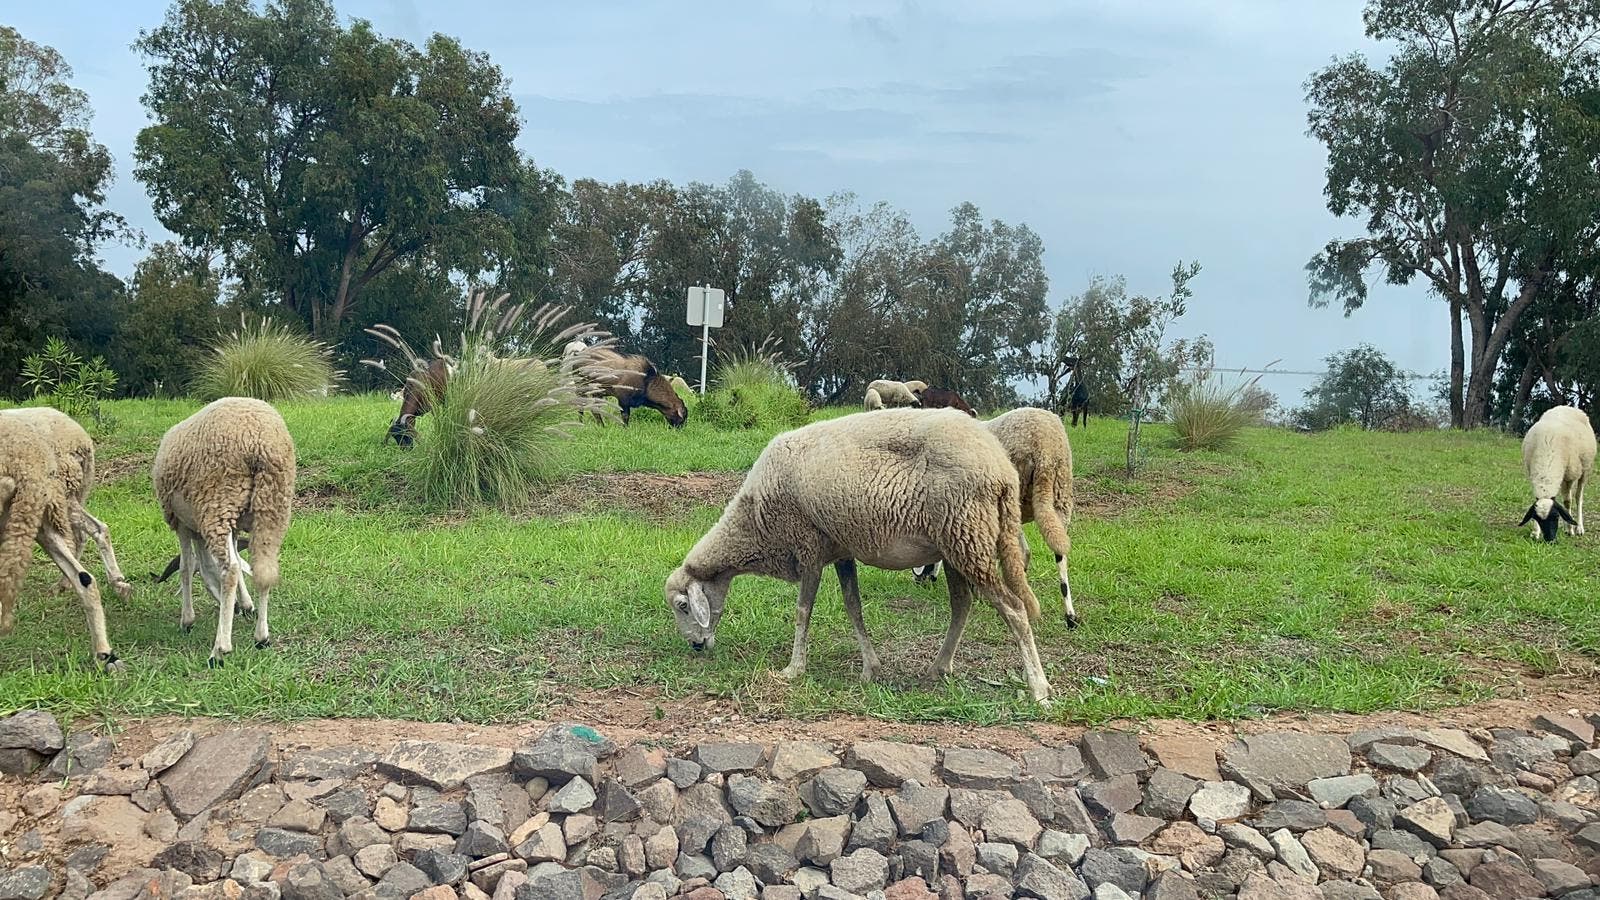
(1105, 494)
(659, 498)
(116, 468)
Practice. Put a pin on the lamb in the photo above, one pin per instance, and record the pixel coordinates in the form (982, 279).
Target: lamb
(873, 400)
(1558, 455)
(893, 489)
(1037, 445)
(35, 507)
(228, 468)
(898, 393)
(74, 452)
(940, 398)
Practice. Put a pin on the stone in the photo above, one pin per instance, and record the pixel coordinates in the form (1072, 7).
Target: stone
(738, 884)
(683, 772)
(1403, 841)
(1503, 805)
(1570, 727)
(1486, 834)
(1392, 867)
(1585, 763)
(914, 806)
(1037, 876)
(1335, 792)
(347, 803)
(34, 730)
(1559, 877)
(1220, 801)
(905, 889)
(25, 883)
(1010, 820)
(1398, 758)
(20, 762)
(251, 867)
(333, 762)
(1247, 838)
(574, 797)
(792, 760)
(1413, 890)
(1192, 847)
(390, 815)
(1453, 775)
(658, 802)
(257, 805)
(162, 826)
(1054, 763)
(1514, 752)
(88, 858)
(1113, 753)
(1038, 795)
(39, 802)
(1118, 795)
(876, 828)
(1193, 757)
(1431, 819)
(377, 859)
(404, 878)
(1295, 815)
(1001, 859)
(1335, 856)
(285, 844)
(299, 815)
(578, 829)
(1262, 887)
(1440, 872)
(83, 754)
(437, 892)
(308, 881)
(1114, 867)
(615, 804)
(1167, 793)
(967, 806)
(771, 863)
(976, 768)
(1286, 761)
(1345, 821)
(441, 765)
(346, 875)
(559, 755)
(546, 845)
(1377, 813)
(1130, 829)
(216, 769)
(730, 756)
(441, 866)
(438, 818)
(1172, 886)
(862, 871)
(834, 791)
(1499, 879)
(887, 764)
(771, 803)
(1291, 853)
(1110, 892)
(482, 839)
(728, 848)
(117, 780)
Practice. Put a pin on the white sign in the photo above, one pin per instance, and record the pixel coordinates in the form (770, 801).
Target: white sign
(706, 306)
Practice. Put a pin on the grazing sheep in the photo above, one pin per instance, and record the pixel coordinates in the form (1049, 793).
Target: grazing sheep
(1037, 445)
(897, 393)
(74, 451)
(228, 468)
(634, 381)
(1558, 455)
(679, 386)
(940, 398)
(1079, 403)
(35, 508)
(873, 400)
(895, 489)
(573, 348)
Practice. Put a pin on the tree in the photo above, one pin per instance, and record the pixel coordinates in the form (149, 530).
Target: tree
(1462, 156)
(1362, 386)
(53, 178)
(171, 318)
(316, 156)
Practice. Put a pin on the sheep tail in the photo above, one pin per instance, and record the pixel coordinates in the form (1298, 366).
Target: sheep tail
(22, 514)
(271, 501)
(1013, 569)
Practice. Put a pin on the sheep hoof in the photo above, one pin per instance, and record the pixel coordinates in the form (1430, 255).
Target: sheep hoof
(264, 643)
(1072, 620)
(249, 611)
(111, 664)
(186, 627)
(214, 662)
(790, 673)
(869, 674)
(124, 590)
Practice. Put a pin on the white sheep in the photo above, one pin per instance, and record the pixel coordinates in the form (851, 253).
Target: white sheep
(898, 393)
(34, 508)
(873, 400)
(1036, 442)
(74, 452)
(573, 348)
(680, 386)
(894, 489)
(1558, 455)
(228, 468)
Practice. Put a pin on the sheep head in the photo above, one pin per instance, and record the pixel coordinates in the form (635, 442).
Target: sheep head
(1547, 514)
(697, 605)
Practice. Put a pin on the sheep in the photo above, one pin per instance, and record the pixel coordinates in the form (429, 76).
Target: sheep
(228, 468)
(898, 393)
(74, 452)
(1557, 455)
(35, 508)
(873, 400)
(1037, 445)
(892, 489)
(573, 348)
(634, 381)
(940, 398)
(679, 386)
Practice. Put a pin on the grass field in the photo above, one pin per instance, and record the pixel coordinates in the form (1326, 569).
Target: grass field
(1342, 571)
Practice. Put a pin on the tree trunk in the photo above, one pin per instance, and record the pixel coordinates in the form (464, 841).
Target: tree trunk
(1519, 404)
(1457, 365)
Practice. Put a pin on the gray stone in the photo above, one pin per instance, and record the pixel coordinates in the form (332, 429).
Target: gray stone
(1570, 727)
(346, 875)
(1118, 795)
(1397, 757)
(26, 883)
(738, 884)
(771, 803)
(639, 766)
(917, 860)
(1503, 805)
(87, 858)
(1559, 877)
(693, 834)
(373, 861)
(887, 764)
(661, 848)
(1430, 819)
(1490, 834)
(1128, 829)
(482, 839)
(1402, 841)
(561, 753)
(1441, 873)
(1172, 886)
(1392, 867)
(1247, 838)
(285, 844)
(1335, 792)
(578, 829)
(357, 833)
(1110, 892)
(332, 762)
(967, 806)
(1502, 879)
(683, 772)
(116, 780)
(1220, 801)
(1054, 763)
(1585, 763)
(983, 769)
(1453, 775)
(438, 818)
(1113, 753)
(1292, 854)
(771, 863)
(299, 815)
(20, 762)
(1286, 761)
(308, 881)
(1118, 867)
(545, 845)
(440, 866)
(730, 756)
(1335, 856)
(823, 840)
(404, 879)
(659, 801)
(797, 759)
(914, 806)
(1010, 820)
(1377, 813)
(574, 797)
(1514, 752)
(84, 753)
(728, 848)
(217, 769)
(875, 829)
(862, 871)
(251, 867)
(1001, 859)
(1038, 795)
(1295, 815)
(834, 792)
(1167, 793)
(615, 803)
(347, 803)
(442, 765)
(34, 730)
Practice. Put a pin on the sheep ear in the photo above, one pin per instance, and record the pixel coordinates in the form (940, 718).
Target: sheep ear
(1562, 512)
(699, 608)
(1528, 517)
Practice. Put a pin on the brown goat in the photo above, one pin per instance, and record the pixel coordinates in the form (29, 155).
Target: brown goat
(634, 381)
(940, 398)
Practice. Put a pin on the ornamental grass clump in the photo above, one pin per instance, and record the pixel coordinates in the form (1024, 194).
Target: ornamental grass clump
(268, 361)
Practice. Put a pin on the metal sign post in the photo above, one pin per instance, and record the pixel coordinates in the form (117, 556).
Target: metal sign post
(705, 310)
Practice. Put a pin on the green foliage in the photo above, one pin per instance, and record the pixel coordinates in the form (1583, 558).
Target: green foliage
(1362, 387)
(66, 381)
(754, 390)
(269, 361)
(1207, 414)
(172, 317)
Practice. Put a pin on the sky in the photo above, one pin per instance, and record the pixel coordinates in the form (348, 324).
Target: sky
(1129, 134)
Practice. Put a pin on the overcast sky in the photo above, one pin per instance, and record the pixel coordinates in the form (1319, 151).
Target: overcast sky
(1127, 133)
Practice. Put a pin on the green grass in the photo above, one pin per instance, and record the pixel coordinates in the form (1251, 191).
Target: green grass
(1341, 571)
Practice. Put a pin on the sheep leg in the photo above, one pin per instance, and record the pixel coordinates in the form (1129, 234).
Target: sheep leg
(186, 568)
(960, 609)
(245, 604)
(846, 569)
(60, 552)
(927, 574)
(1048, 519)
(809, 580)
(219, 547)
(1578, 489)
(108, 557)
(1022, 631)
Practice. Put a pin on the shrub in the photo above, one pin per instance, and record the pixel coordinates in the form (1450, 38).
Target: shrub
(1208, 415)
(268, 362)
(64, 380)
(491, 435)
(754, 390)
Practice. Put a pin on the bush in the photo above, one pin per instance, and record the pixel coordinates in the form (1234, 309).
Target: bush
(268, 362)
(491, 436)
(64, 380)
(754, 390)
(1208, 415)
